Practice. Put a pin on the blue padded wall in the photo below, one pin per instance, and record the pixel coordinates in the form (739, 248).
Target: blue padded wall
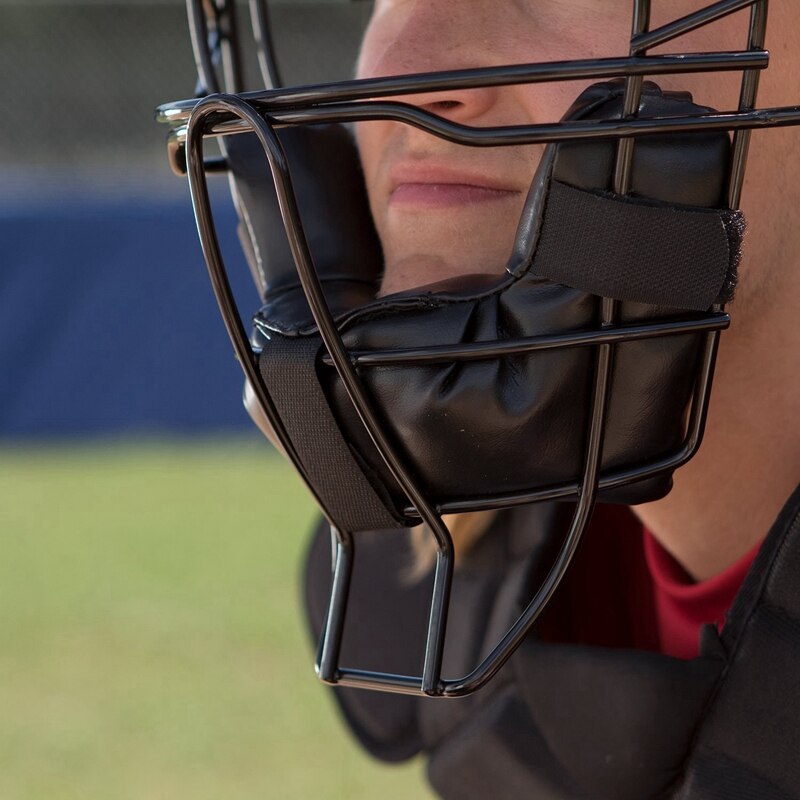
(108, 324)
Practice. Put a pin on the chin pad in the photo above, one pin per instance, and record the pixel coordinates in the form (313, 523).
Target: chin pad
(483, 429)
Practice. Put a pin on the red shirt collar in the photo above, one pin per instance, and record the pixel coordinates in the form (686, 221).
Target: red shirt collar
(682, 605)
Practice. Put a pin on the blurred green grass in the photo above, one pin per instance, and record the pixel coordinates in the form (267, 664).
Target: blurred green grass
(151, 644)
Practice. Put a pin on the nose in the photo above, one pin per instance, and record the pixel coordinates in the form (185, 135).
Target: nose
(432, 36)
(461, 106)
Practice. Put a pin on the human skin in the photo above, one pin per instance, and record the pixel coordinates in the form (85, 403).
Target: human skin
(443, 211)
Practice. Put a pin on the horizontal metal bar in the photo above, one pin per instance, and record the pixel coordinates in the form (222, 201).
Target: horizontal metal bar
(574, 130)
(541, 72)
(384, 681)
(529, 134)
(564, 491)
(478, 351)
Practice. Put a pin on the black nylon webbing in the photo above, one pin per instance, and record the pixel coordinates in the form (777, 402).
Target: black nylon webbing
(288, 367)
(637, 250)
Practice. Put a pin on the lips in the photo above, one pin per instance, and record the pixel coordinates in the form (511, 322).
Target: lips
(436, 187)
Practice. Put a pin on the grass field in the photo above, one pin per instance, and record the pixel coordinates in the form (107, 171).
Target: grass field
(151, 644)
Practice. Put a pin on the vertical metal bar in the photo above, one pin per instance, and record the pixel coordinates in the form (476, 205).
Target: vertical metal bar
(437, 624)
(633, 95)
(330, 643)
(265, 45)
(747, 101)
(228, 29)
(701, 395)
(203, 59)
(624, 160)
(214, 33)
(748, 95)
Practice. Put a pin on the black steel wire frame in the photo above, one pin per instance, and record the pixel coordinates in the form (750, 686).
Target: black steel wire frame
(262, 113)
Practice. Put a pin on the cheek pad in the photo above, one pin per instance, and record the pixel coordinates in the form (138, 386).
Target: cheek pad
(515, 424)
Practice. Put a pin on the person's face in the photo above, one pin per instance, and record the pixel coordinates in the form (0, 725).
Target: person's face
(444, 210)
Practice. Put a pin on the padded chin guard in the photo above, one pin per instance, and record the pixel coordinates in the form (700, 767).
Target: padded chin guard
(502, 425)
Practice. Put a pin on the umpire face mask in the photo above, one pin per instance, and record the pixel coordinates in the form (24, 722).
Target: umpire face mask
(575, 367)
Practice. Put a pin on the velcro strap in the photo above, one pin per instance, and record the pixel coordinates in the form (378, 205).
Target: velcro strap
(288, 367)
(639, 250)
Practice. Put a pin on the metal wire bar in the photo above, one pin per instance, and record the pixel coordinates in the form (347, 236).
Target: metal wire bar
(265, 47)
(217, 42)
(330, 643)
(543, 72)
(379, 681)
(209, 242)
(698, 19)
(568, 131)
(630, 104)
(231, 56)
(481, 351)
(333, 343)
(747, 100)
(203, 59)
(761, 118)
(548, 132)
(539, 72)
(431, 683)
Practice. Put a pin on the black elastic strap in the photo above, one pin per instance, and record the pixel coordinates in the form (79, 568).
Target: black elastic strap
(288, 367)
(637, 250)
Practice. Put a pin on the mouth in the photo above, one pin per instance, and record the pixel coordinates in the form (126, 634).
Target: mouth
(436, 187)
(435, 195)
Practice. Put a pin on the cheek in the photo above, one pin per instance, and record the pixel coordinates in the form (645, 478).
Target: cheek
(366, 144)
(718, 90)
(373, 140)
(379, 36)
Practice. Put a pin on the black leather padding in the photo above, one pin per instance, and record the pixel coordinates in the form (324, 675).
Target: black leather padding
(329, 188)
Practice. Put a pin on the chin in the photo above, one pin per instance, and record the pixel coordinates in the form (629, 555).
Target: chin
(421, 268)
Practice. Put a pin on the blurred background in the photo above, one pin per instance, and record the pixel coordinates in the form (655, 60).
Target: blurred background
(151, 642)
